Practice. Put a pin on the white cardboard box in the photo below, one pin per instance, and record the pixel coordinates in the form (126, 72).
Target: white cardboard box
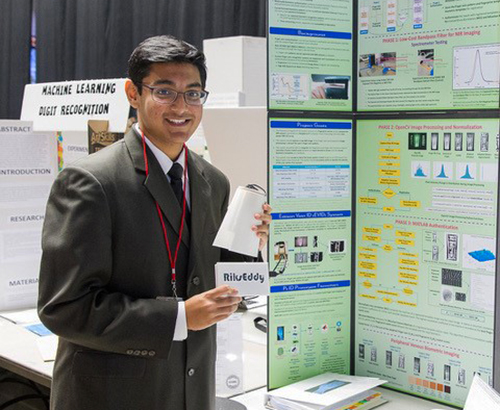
(236, 65)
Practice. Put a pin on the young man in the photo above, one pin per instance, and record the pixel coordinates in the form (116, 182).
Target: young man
(127, 276)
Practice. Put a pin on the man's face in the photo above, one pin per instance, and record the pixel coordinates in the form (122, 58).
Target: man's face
(168, 126)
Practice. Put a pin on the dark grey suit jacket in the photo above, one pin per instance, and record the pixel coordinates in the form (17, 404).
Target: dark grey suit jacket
(105, 263)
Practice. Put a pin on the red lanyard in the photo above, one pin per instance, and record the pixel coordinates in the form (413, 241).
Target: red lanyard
(174, 259)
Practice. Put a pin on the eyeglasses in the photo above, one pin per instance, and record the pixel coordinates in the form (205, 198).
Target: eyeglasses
(164, 95)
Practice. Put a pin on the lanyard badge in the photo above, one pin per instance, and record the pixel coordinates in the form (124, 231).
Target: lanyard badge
(171, 259)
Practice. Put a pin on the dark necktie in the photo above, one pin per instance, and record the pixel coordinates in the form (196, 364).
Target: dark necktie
(175, 175)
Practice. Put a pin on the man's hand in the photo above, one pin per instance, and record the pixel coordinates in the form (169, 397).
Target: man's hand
(210, 307)
(262, 230)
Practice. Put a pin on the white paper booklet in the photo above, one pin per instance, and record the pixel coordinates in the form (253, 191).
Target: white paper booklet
(327, 391)
(482, 396)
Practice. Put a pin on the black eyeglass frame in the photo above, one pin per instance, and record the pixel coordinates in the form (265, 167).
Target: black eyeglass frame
(203, 96)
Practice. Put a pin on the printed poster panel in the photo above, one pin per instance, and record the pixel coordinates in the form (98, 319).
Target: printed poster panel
(27, 170)
(426, 253)
(428, 55)
(310, 55)
(310, 248)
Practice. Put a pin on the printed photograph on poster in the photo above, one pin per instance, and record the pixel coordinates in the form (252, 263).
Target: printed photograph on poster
(417, 140)
(316, 256)
(301, 241)
(434, 141)
(447, 141)
(430, 369)
(280, 258)
(447, 295)
(361, 351)
(451, 277)
(416, 365)
(337, 246)
(401, 361)
(425, 61)
(484, 142)
(461, 377)
(301, 257)
(379, 64)
(459, 139)
(471, 141)
(280, 333)
(388, 358)
(330, 87)
(478, 252)
(447, 373)
(451, 241)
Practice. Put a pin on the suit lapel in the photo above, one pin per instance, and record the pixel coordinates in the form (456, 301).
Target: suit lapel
(200, 200)
(157, 184)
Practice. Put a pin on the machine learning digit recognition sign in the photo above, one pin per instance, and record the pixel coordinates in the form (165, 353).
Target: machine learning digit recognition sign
(310, 243)
(426, 253)
(428, 55)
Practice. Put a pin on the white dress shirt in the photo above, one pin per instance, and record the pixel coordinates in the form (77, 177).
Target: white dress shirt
(180, 332)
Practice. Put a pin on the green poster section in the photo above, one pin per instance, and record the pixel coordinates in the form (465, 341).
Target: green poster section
(310, 55)
(428, 55)
(310, 248)
(425, 253)
(426, 200)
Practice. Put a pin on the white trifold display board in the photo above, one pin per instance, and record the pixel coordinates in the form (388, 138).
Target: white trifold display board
(52, 133)
(27, 170)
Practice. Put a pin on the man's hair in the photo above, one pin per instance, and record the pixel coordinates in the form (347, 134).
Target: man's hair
(163, 49)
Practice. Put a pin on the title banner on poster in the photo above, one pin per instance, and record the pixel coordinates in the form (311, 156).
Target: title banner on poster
(67, 106)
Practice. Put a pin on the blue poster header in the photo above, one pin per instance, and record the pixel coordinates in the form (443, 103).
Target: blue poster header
(311, 215)
(311, 286)
(334, 166)
(312, 125)
(310, 33)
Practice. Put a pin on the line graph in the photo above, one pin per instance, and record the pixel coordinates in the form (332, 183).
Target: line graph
(289, 86)
(476, 67)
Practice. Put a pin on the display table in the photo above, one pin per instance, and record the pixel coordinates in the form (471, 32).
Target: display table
(19, 354)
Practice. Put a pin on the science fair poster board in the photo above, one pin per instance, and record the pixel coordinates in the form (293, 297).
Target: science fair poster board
(27, 170)
(428, 55)
(310, 57)
(310, 248)
(426, 223)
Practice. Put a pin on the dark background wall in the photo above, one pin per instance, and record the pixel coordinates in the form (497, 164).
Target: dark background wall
(91, 39)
